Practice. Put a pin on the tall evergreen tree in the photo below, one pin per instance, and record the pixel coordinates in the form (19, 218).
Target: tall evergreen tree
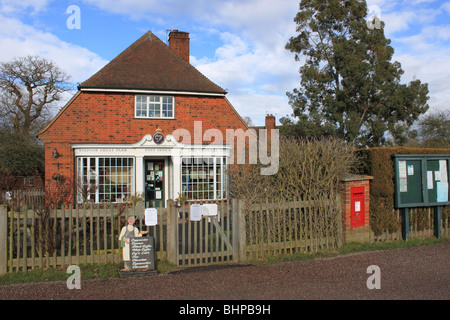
(349, 87)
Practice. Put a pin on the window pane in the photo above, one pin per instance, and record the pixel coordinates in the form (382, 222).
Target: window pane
(154, 106)
(141, 106)
(202, 178)
(107, 179)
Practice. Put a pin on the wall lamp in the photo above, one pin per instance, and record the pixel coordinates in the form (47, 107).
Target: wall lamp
(55, 153)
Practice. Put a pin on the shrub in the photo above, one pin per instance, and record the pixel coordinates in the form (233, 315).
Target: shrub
(309, 167)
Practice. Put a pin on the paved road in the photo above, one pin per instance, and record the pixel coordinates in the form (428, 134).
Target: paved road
(420, 273)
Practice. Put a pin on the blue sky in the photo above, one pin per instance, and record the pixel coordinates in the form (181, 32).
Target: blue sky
(238, 44)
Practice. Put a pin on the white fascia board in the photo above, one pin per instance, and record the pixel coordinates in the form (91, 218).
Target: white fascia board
(154, 92)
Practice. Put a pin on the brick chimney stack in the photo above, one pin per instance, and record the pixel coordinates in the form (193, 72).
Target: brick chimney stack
(179, 42)
(270, 122)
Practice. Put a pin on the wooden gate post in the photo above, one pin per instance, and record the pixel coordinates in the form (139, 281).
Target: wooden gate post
(172, 233)
(239, 230)
(3, 238)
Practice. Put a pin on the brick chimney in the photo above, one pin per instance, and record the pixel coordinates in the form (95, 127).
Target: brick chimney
(179, 42)
(270, 122)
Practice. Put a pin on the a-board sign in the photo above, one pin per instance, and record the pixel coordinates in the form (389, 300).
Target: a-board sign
(142, 253)
(421, 180)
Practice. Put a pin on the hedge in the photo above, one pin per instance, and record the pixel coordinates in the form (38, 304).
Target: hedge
(378, 163)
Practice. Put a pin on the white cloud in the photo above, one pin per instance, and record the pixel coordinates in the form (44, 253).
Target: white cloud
(256, 106)
(23, 40)
(14, 6)
(250, 59)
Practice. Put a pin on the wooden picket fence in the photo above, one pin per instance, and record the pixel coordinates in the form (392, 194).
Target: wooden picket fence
(23, 198)
(61, 237)
(87, 234)
(207, 241)
(301, 225)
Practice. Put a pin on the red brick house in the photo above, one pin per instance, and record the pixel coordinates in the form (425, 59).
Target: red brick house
(115, 137)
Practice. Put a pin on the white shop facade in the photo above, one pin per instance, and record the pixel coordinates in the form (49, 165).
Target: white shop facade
(157, 168)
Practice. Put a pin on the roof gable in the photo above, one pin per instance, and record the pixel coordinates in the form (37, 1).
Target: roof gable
(149, 64)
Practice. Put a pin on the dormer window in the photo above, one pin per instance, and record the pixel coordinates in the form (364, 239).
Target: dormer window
(147, 106)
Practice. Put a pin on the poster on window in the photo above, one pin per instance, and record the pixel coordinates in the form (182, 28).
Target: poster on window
(443, 170)
(442, 191)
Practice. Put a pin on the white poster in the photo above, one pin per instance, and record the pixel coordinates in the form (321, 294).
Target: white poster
(437, 175)
(151, 217)
(402, 169)
(403, 185)
(357, 206)
(410, 170)
(209, 209)
(196, 212)
(430, 179)
(442, 191)
(443, 170)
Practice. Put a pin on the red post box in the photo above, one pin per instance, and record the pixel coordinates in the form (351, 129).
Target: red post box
(357, 213)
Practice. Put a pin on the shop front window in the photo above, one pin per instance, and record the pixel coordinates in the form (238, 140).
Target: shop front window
(104, 179)
(204, 178)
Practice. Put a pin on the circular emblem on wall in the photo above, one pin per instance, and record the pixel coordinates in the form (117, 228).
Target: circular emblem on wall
(158, 138)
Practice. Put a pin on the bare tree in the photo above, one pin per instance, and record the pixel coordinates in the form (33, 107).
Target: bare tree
(29, 87)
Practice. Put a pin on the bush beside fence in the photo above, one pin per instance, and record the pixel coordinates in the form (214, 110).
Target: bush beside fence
(421, 225)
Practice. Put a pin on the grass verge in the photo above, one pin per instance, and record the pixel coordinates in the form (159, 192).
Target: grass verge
(352, 247)
(110, 270)
(87, 271)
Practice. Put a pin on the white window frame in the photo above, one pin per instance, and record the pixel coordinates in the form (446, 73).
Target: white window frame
(201, 175)
(152, 101)
(92, 179)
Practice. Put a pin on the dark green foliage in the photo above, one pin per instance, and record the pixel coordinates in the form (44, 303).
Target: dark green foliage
(20, 156)
(378, 162)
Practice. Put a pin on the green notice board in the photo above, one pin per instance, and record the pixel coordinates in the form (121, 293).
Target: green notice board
(421, 180)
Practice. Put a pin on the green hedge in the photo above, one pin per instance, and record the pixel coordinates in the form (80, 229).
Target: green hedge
(378, 163)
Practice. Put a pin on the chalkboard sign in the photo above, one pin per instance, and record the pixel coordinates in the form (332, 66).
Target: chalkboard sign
(142, 253)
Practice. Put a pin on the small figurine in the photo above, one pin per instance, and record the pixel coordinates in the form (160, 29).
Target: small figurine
(128, 232)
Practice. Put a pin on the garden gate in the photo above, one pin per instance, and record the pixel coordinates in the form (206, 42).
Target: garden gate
(204, 239)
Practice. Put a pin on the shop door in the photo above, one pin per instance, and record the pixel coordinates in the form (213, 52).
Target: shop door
(154, 183)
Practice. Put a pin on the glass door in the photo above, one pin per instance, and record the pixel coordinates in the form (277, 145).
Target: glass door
(154, 183)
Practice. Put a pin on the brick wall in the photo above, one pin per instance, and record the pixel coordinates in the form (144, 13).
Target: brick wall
(359, 233)
(109, 118)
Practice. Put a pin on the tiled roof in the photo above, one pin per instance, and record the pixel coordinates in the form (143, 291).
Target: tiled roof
(149, 64)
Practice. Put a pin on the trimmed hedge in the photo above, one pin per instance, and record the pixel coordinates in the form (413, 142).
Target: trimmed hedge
(378, 163)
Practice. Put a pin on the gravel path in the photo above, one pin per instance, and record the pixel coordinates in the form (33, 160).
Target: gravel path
(421, 273)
